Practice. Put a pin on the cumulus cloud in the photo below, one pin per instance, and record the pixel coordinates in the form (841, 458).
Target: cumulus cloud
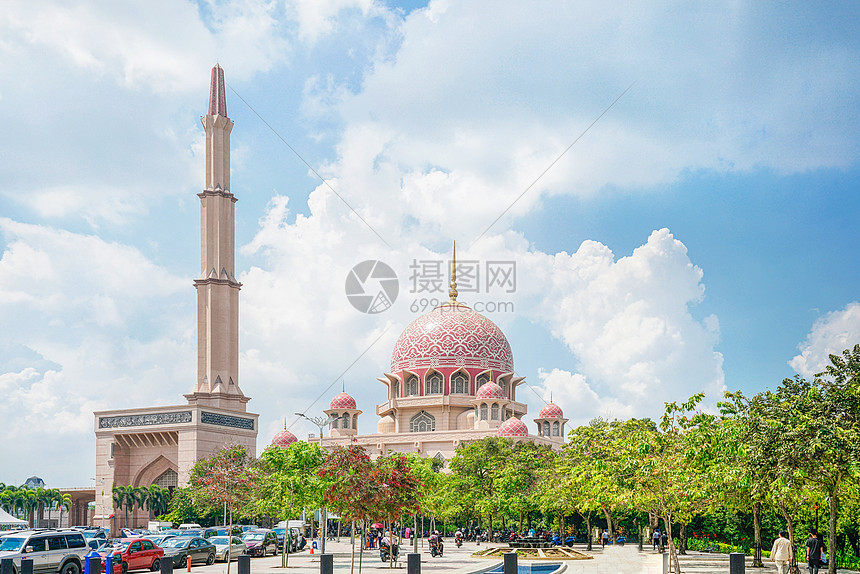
(830, 335)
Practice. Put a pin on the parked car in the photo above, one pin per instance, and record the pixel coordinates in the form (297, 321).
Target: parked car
(181, 549)
(201, 532)
(237, 548)
(261, 542)
(52, 551)
(157, 539)
(296, 538)
(133, 554)
(222, 531)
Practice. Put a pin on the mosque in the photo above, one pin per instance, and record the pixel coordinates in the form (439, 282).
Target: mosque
(451, 378)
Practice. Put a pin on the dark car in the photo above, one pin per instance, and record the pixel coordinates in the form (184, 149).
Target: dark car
(201, 532)
(296, 538)
(261, 542)
(181, 549)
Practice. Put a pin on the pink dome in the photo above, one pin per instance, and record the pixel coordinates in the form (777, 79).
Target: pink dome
(452, 336)
(551, 411)
(284, 439)
(513, 428)
(342, 401)
(490, 390)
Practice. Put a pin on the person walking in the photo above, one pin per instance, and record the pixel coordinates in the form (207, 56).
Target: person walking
(655, 539)
(781, 552)
(604, 538)
(813, 552)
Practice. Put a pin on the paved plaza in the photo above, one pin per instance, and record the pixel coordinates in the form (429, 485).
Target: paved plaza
(612, 560)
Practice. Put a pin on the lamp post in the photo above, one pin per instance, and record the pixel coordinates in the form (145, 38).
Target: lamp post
(321, 423)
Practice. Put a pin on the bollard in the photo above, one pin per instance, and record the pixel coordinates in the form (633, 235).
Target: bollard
(510, 563)
(326, 563)
(109, 564)
(243, 564)
(666, 563)
(736, 563)
(26, 566)
(413, 563)
(6, 566)
(166, 565)
(93, 563)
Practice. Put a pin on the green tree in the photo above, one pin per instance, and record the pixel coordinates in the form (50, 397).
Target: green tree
(478, 464)
(286, 481)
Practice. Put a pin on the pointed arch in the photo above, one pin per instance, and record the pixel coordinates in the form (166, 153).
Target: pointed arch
(460, 383)
(412, 385)
(434, 382)
(422, 422)
(152, 470)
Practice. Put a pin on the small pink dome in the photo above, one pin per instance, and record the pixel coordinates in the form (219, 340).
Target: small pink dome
(342, 401)
(490, 390)
(513, 428)
(284, 439)
(551, 411)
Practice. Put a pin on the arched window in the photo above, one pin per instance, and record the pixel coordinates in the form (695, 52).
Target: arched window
(482, 378)
(433, 383)
(460, 383)
(335, 423)
(555, 428)
(396, 389)
(545, 428)
(345, 419)
(484, 412)
(495, 411)
(422, 422)
(412, 386)
(167, 479)
(355, 421)
(504, 385)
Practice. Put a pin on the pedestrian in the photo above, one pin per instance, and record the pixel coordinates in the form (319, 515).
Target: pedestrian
(781, 552)
(813, 552)
(604, 538)
(664, 540)
(655, 539)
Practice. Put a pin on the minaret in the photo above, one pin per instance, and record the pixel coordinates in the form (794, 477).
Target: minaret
(217, 289)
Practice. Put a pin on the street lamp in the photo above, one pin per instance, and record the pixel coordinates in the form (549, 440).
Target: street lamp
(321, 423)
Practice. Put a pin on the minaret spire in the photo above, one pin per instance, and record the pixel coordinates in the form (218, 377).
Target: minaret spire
(452, 292)
(217, 288)
(217, 93)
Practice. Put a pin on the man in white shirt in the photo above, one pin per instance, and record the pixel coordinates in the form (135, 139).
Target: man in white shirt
(781, 553)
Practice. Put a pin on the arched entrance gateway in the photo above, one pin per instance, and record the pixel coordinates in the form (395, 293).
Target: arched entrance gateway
(451, 380)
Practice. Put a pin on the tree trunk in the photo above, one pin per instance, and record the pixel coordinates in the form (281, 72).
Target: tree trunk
(588, 530)
(834, 506)
(415, 534)
(674, 563)
(352, 543)
(490, 528)
(757, 563)
(683, 539)
(229, 540)
(608, 521)
(521, 521)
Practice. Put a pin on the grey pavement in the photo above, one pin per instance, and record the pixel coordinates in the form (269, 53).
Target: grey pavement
(611, 560)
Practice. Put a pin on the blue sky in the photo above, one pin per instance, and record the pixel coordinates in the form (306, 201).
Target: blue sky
(700, 236)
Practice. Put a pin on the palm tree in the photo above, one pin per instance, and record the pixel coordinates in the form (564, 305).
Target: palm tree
(120, 500)
(141, 496)
(29, 504)
(157, 500)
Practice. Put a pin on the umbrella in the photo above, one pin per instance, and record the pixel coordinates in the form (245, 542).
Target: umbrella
(377, 525)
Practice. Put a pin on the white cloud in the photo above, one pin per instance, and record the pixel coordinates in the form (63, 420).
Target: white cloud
(830, 335)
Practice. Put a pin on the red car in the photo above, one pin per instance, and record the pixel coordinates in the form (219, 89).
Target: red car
(134, 554)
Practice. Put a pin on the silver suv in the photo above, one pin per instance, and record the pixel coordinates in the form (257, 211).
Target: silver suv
(52, 551)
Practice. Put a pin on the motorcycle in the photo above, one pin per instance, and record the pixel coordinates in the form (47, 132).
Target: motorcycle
(436, 546)
(458, 541)
(385, 553)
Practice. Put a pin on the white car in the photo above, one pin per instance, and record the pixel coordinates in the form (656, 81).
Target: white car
(237, 549)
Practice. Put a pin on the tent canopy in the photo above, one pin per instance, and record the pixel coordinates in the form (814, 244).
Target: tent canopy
(7, 519)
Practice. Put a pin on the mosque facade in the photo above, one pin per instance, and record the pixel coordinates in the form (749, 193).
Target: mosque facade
(451, 380)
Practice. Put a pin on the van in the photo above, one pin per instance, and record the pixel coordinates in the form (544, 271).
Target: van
(51, 551)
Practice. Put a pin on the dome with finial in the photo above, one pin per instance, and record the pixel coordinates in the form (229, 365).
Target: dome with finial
(342, 401)
(513, 428)
(551, 411)
(284, 438)
(490, 390)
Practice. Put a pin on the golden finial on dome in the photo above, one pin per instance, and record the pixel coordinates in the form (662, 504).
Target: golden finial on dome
(452, 292)
(343, 386)
(285, 423)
